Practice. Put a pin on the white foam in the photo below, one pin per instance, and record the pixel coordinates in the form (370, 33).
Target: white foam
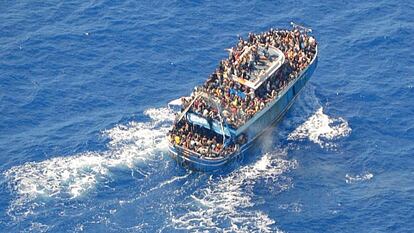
(294, 207)
(72, 176)
(321, 129)
(349, 179)
(228, 201)
(37, 227)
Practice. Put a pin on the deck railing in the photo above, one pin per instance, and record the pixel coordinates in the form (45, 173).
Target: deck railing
(188, 152)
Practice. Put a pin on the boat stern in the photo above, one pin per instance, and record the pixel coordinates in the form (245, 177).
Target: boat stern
(195, 161)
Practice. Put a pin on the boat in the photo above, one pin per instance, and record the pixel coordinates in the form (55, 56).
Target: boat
(250, 92)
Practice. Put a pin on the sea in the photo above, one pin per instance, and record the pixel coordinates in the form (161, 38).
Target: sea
(84, 93)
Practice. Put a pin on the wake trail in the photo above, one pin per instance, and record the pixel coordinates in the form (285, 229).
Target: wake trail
(224, 201)
(72, 176)
(229, 201)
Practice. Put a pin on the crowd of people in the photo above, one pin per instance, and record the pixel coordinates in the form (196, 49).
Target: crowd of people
(239, 103)
(200, 140)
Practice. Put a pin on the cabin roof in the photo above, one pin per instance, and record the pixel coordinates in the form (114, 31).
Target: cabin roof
(264, 68)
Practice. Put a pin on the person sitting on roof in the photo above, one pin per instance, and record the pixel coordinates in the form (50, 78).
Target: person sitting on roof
(266, 51)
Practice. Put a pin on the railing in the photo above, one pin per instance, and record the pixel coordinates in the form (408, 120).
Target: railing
(187, 152)
(186, 109)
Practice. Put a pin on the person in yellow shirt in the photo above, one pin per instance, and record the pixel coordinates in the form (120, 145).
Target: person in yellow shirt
(235, 103)
(177, 140)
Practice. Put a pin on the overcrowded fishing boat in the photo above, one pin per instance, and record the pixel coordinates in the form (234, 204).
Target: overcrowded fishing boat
(249, 91)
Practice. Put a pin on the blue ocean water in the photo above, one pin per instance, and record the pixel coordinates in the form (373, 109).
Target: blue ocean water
(83, 93)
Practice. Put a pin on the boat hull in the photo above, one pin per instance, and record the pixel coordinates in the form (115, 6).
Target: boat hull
(255, 127)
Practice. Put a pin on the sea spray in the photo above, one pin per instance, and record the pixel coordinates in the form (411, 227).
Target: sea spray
(321, 129)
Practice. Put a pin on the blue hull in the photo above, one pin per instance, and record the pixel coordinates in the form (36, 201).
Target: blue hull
(255, 127)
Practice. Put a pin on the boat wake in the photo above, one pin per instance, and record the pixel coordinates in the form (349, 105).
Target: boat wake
(226, 203)
(321, 129)
(72, 176)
